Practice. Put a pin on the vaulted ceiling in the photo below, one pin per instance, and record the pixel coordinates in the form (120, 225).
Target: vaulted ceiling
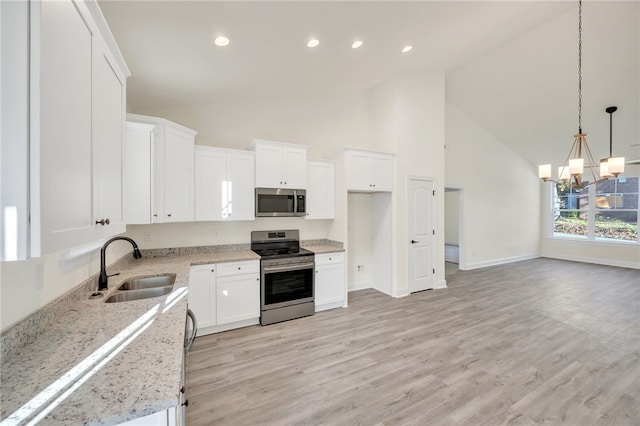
(510, 66)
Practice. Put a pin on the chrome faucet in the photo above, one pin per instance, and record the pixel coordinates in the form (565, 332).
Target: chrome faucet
(102, 279)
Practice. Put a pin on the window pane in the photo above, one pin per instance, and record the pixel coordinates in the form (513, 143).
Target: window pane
(617, 225)
(614, 194)
(570, 224)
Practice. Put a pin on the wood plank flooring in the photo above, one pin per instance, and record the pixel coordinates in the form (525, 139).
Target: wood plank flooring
(535, 342)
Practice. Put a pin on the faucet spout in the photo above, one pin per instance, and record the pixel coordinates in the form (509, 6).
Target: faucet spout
(103, 277)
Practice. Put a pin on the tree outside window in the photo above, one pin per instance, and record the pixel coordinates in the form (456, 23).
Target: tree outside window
(606, 211)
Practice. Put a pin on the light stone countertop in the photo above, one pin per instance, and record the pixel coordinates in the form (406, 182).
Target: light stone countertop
(141, 379)
(324, 248)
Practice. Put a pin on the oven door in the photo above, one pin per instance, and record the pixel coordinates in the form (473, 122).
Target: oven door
(286, 285)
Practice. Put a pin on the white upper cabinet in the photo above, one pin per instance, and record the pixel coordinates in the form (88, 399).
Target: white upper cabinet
(320, 189)
(76, 110)
(224, 184)
(280, 165)
(159, 171)
(178, 175)
(369, 171)
(108, 114)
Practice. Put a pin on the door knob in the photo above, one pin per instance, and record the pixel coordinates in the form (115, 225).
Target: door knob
(414, 242)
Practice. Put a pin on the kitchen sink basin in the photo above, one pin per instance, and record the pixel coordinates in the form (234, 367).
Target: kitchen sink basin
(148, 282)
(127, 296)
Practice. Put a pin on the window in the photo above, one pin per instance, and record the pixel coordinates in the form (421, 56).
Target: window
(606, 211)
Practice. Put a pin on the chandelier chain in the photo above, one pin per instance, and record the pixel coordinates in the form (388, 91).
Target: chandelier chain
(580, 66)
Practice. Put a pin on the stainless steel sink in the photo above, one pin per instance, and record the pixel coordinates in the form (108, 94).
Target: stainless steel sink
(127, 296)
(148, 282)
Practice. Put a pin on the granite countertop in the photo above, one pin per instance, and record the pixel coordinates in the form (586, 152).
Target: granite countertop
(140, 372)
(322, 248)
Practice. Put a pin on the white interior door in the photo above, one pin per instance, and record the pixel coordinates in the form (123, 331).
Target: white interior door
(420, 201)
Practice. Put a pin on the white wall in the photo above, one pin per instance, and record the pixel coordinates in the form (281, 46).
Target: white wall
(501, 190)
(28, 285)
(408, 119)
(190, 234)
(325, 124)
(359, 237)
(452, 217)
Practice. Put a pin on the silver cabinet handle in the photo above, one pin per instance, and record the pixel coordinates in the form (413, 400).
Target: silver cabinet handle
(192, 316)
(103, 222)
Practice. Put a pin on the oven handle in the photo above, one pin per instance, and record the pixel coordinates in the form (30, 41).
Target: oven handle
(294, 267)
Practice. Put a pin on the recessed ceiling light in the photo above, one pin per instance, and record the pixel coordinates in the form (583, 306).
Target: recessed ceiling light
(406, 49)
(221, 41)
(313, 43)
(356, 44)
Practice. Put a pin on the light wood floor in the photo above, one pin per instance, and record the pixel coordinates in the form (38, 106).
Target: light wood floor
(535, 342)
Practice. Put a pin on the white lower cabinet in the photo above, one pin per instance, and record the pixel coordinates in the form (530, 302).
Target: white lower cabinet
(330, 282)
(225, 296)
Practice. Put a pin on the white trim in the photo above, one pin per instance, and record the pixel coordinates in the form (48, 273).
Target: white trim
(360, 286)
(401, 293)
(435, 239)
(502, 261)
(594, 260)
(440, 284)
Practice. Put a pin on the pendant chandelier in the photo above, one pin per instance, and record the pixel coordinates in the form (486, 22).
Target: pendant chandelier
(580, 157)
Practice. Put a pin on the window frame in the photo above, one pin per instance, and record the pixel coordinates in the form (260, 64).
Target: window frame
(591, 219)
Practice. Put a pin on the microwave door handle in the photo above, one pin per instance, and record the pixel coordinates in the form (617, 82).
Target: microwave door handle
(295, 202)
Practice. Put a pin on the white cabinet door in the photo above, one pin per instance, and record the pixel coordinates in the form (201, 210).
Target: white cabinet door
(382, 172)
(241, 186)
(136, 173)
(330, 283)
(369, 172)
(211, 184)
(202, 294)
(269, 166)
(237, 298)
(108, 119)
(178, 176)
(320, 189)
(359, 171)
(224, 184)
(294, 168)
(280, 165)
(61, 200)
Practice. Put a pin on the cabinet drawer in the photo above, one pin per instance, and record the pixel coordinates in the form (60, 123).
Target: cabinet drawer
(238, 268)
(329, 258)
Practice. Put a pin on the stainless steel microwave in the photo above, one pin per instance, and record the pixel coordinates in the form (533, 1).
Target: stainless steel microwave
(271, 202)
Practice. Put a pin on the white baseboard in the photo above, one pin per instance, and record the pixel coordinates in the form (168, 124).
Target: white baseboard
(401, 293)
(225, 327)
(361, 286)
(330, 305)
(595, 260)
(440, 284)
(502, 261)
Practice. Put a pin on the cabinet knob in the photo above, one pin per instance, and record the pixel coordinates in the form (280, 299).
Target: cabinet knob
(155, 215)
(330, 258)
(239, 268)
(186, 403)
(103, 222)
(169, 215)
(285, 183)
(213, 270)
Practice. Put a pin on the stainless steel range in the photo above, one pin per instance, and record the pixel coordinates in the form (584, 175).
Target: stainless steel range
(287, 283)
